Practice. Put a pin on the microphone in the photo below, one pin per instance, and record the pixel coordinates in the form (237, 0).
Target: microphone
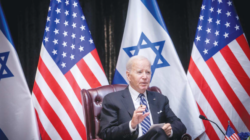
(204, 118)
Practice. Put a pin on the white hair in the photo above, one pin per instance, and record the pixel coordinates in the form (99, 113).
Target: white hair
(133, 59)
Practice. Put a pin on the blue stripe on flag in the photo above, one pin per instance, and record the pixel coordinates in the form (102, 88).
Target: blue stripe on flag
(118, 79)
(2, 135)
(152, 6)
(4, 27)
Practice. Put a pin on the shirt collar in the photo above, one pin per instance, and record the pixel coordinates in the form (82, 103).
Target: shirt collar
(134, 94)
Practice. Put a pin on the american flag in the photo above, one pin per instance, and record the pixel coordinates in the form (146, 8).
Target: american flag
(219, 69)
(230, 134)
(68, 62)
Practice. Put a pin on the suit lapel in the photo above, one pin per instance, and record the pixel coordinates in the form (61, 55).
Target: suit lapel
(127, 101)
(152, 101)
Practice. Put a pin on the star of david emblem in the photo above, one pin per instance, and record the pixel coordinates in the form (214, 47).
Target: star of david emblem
(4, 70)
(156, 47)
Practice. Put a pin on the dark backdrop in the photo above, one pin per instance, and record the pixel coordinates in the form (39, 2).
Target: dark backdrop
(106, 21)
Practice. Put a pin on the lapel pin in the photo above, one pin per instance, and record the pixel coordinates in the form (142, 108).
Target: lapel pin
(154, 99)
(159, 112)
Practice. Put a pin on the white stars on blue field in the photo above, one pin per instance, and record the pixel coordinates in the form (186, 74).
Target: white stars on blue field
(218, 25)
(67, 37)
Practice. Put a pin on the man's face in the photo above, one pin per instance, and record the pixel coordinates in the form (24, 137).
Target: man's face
(140, 75)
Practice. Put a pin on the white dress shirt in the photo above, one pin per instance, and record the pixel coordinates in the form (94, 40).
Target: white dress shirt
(136, 100)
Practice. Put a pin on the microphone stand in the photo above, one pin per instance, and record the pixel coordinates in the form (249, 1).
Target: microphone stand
(204, 118)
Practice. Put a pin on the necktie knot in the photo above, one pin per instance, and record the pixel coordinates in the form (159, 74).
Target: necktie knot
(141, 95)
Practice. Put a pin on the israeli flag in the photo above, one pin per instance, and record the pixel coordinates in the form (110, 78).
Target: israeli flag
(17, 114)
(146, 34)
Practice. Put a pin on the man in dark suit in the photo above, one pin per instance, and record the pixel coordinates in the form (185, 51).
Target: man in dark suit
(128, 114)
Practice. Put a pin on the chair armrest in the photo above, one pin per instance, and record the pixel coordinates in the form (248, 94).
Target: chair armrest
(186, 137)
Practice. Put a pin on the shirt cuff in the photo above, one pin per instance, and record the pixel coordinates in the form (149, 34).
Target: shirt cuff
(171, 134)
(130, 127)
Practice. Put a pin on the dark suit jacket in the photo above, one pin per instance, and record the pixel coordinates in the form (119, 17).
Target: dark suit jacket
(118, 109)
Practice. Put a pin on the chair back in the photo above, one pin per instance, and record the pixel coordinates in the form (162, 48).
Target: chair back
(92, 105)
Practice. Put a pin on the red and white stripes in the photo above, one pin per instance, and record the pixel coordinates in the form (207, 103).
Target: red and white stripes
(57, 97)
(221, 87)
(233, 137)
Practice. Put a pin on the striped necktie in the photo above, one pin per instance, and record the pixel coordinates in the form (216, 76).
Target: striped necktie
(145, 124)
